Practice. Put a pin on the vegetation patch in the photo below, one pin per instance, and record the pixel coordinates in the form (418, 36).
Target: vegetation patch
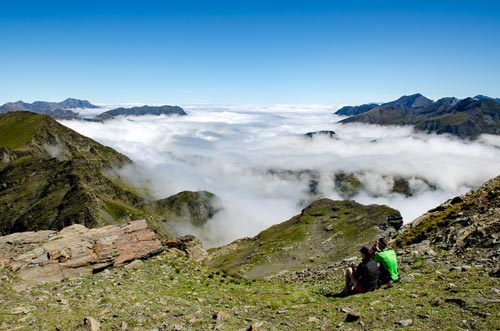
(18, 129)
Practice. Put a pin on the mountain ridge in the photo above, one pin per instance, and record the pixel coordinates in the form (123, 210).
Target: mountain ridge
(56, 109)
(467, 118)
(323, 232)
(52, 177)
(143, 110)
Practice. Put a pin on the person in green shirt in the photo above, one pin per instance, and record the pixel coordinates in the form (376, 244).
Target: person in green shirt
(388, 263)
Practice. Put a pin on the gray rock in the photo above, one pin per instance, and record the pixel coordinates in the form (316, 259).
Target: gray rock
(405, 323)
(352, 314)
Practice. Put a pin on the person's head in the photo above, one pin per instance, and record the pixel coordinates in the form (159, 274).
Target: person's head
(365, 252)
(382, 244)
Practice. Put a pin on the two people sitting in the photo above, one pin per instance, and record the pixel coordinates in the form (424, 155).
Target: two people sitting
(379, 266)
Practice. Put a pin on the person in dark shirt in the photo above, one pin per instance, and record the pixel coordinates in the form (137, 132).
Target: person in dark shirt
(364, 277)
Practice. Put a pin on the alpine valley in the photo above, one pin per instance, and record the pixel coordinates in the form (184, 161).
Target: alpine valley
(84, 247)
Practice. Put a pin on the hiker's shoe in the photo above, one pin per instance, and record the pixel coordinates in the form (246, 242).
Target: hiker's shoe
(345, 292)
(389, 285)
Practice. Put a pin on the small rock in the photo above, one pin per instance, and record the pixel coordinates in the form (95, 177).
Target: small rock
(220, 316)
(450, 286)
(124, 326)
(352, 314)
(374, 303)
(436, 302)
(91, 324)
(62, 301)
(312, 319)
(413, 295)
(177, 327)
(282, 311)
(405, 323)
(458, 301)
(254, 326)
(22, 310)
(134, 265)
(484, 301)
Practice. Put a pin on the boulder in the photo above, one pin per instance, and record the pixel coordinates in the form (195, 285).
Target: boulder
(47, 256)
(188, 244)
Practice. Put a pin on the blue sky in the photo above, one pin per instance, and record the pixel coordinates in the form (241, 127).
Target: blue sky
(259, 51)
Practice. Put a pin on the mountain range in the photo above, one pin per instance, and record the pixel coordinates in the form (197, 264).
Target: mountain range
(67, 109)
(55, 109)
(466, 118)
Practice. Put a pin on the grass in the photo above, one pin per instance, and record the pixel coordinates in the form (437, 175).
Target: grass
(419, 232)
(120, 211)
(324, 232)
(18, 129)
(172, 291)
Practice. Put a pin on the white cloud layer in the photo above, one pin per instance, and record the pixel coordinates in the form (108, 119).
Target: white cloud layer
(229, 150)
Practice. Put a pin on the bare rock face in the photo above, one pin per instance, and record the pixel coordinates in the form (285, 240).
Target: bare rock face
(190, 245)
(47, 256)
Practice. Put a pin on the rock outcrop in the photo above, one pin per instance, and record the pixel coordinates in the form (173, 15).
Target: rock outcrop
(191, 207)
(190, 245)
(323, 133)
(467, 225)
(47, 256)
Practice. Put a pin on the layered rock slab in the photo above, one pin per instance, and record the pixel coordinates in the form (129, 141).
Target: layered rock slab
(47, 256)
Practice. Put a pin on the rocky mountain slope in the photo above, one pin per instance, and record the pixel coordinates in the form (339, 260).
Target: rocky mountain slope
(467, 225)
(52, 177)
(324, 232)
(467, 118)
(355, 110)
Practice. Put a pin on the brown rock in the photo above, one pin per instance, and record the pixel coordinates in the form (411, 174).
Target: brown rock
(47, 256)
(188, 244)
(220, 316)
(91, 324)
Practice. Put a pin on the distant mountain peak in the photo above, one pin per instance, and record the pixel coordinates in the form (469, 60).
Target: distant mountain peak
(72, 103)
(143, 110)
(466, 118)
(54, 109)
(409, 102)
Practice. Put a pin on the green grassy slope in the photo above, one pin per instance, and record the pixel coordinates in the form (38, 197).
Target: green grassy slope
(324, 232)
(174, 293)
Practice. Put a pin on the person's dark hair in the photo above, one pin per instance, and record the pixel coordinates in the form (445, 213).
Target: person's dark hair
(382, 243)
(365, 250)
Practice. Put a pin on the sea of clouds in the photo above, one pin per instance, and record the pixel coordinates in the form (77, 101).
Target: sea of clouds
(230, 150)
